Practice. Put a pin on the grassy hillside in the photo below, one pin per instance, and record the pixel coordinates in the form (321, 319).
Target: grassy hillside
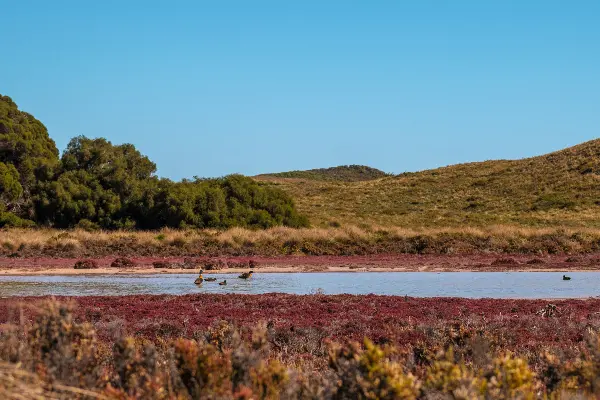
(343, 173)
(561, 188)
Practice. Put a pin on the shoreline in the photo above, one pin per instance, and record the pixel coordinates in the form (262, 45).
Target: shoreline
(294, 270)
(307, 264)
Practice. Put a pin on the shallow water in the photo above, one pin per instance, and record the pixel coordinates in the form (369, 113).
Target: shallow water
(419, 284)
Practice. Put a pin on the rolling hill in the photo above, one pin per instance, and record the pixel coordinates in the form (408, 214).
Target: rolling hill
(557, 189)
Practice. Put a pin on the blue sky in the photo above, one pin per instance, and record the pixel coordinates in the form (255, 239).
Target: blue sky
(210, 88)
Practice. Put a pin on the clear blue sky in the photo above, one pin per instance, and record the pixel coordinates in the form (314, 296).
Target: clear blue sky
(210, 88)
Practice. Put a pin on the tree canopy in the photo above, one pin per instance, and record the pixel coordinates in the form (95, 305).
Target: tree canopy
(98, 184)
(27, 156)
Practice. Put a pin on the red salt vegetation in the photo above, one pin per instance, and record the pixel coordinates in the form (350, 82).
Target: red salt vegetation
(517, 325)
(535, 261)
(505, 261)
(573, 260)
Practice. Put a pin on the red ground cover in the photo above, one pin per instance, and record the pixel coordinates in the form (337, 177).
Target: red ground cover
(514, 324)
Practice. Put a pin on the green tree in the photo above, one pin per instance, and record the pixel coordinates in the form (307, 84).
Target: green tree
(10, 187)
(25, 146)
(98, 184)
(97, 181)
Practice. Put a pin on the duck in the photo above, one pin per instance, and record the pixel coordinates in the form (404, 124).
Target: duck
(210, 279)
(199, 279)
(223, 283)
(566, 278)
(246, 275)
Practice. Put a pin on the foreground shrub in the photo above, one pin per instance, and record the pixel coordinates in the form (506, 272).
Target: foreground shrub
(510, 378)
(369, 374)
(446, 377)
(62, 349)
(56, 352)
(135, 371)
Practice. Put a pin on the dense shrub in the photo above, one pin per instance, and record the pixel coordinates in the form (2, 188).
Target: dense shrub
(27, 157)
(96, 184)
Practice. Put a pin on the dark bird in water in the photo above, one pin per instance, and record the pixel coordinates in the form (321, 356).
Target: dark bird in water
(223, 283)
(199, 279)
(210, 279)
(246, 275)
(566, 278)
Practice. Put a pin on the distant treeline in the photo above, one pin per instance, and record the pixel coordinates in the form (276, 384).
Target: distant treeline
(96, 184)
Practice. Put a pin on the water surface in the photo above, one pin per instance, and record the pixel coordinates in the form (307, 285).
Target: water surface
(420, 284)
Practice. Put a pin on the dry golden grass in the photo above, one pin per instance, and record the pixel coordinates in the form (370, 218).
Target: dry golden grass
(558, 189)
(345, 240)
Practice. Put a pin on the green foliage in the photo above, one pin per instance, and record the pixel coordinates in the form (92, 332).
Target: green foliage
(553, 201)
(97, 182)
(8, 219)
(10, 187)
(98, 185)
(234, 200)
(27, 157)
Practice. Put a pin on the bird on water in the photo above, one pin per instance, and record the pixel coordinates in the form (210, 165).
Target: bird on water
(199, 279)
(246, 275)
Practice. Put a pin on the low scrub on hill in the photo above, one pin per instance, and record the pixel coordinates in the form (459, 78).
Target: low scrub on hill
(96, 184)
(342, 173)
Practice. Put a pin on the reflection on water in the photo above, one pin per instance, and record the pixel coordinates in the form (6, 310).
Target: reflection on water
(421, 284)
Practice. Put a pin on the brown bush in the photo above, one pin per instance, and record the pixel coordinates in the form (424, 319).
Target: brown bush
(245, 264)
(214, 264)
(123, 262)
(86, 264)
(190, 263)
(163, 264)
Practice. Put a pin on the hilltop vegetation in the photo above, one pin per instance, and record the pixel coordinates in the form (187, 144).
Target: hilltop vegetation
(342, 173)
(96, 184)
(558, 189)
